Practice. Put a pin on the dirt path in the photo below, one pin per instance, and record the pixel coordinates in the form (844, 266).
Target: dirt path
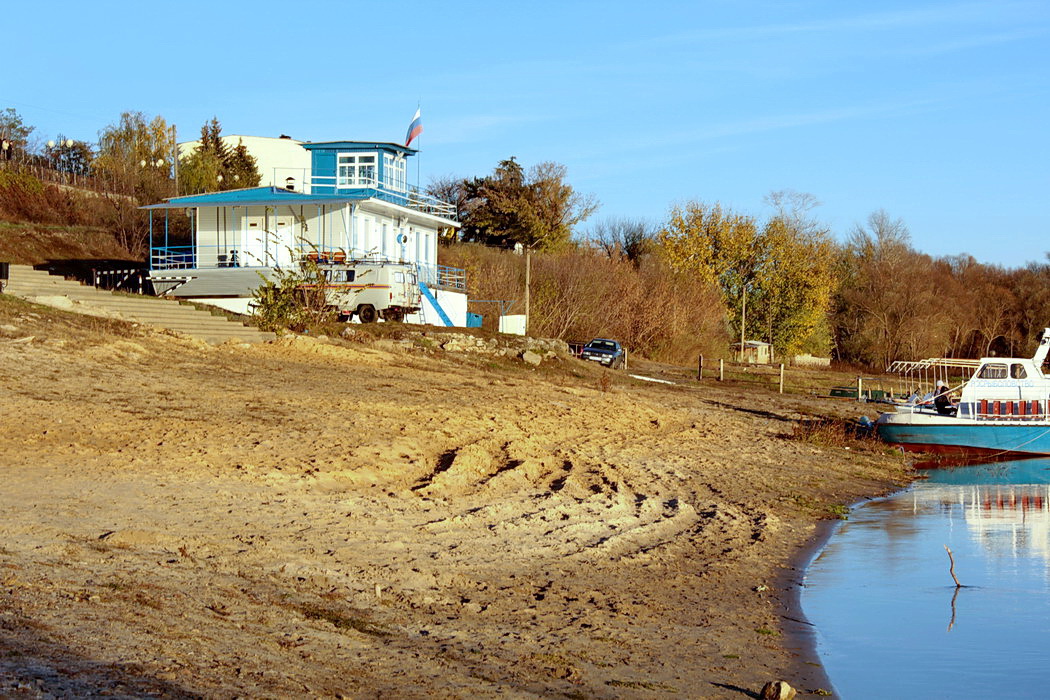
(305, 519)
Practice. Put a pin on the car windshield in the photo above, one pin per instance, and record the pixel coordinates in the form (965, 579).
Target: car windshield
(603, 345)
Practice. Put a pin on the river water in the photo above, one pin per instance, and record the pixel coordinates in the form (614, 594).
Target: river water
(890, 622)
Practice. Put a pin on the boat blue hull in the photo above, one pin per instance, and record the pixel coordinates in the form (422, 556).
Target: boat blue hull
(969, 438)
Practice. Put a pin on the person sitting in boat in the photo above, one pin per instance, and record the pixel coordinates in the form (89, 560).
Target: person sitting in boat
(942, 400)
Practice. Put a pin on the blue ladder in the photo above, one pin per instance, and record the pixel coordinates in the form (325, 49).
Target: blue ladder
(434, 302)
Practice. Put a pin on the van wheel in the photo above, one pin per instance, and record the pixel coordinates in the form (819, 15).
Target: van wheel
(367, 313)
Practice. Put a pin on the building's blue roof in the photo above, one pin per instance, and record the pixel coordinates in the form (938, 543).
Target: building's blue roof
(254, 196)
(359, 146)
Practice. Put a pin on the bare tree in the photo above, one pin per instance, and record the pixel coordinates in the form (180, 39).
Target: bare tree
(622, 238)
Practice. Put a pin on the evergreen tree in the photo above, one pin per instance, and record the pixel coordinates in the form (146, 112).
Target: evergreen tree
(214, 166)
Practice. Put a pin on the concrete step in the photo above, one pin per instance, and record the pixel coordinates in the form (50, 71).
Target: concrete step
(26, 282)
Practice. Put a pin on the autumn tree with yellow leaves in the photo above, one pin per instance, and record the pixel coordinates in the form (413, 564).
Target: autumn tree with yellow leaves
(783, 266)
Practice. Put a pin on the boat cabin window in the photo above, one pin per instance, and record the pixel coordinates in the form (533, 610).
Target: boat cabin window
(1017, 371)
(992, 370)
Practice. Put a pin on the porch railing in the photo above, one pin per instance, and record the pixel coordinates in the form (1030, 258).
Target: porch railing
(224, 256)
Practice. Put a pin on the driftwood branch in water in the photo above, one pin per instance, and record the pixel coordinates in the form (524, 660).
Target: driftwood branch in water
(951, 568)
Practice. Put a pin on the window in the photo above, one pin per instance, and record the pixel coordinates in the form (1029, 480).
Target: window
(356, 170)
(1017, 371)
(992, 371)
(399, 277)
(394, 172)
(336, 276)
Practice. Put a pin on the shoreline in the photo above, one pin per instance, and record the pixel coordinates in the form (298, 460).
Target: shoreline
(800, 633)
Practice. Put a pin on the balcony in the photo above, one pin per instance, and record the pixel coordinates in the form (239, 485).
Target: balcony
(408, 196)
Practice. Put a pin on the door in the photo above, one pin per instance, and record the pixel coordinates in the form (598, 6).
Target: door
(282, 244)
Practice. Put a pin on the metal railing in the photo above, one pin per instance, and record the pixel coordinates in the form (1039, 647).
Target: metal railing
(411, 196)
(131, 280)
(206, 257)
(442, 276)
(224, 256)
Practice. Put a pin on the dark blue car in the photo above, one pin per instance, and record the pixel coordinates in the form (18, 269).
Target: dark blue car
(608, 353)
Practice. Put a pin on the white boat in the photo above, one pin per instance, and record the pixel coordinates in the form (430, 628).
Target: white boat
(1004, 408)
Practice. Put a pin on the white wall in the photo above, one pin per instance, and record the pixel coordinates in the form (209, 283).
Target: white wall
(454, 304)
(276, 159)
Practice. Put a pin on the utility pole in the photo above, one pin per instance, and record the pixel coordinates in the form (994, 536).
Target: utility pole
(743, 319)
(175, 156)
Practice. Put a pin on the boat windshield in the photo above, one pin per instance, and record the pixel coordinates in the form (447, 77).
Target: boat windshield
(993, 370)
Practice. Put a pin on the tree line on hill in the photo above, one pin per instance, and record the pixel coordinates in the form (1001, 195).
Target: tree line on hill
(135, 162)
(693, 283)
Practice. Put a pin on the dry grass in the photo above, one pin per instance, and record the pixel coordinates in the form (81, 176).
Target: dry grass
(581, 293)
(32, 244)
(835, 432)
(50, 324)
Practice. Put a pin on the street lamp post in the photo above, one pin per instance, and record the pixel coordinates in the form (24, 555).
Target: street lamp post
(54, 151)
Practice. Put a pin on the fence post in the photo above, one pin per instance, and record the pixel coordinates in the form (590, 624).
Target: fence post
(700, 369)
(781, 377)
(625, 359)
(860, 388)
(721, 369)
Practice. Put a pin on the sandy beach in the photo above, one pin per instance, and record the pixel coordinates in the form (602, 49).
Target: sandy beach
(313, 518)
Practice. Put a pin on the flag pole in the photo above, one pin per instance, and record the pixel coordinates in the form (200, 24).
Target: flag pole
(419, 106)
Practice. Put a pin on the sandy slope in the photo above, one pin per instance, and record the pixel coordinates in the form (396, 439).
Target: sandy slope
(302, 519)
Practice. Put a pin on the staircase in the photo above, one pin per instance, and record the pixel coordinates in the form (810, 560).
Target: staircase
(37, 285)
(432, 298)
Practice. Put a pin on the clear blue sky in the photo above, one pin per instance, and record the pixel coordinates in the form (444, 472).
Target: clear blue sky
(936, 111)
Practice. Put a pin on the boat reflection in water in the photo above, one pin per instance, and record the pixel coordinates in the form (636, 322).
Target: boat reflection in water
(889, 618)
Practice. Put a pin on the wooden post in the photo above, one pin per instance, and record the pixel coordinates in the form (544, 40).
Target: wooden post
(860, 388)
(743, 318)
(700, 369)
(528, 285)
(721, 370)
(625, 359)
(781, 377)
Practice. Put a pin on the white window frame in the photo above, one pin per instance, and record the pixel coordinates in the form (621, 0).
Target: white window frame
(351, 169)
(394, 173)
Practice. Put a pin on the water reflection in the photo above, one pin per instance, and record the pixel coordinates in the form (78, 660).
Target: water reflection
(890, 620)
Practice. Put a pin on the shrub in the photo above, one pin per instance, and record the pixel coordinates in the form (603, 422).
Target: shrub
(295, 299)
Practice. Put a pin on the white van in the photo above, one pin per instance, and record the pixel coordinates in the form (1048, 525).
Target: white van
(371, 290)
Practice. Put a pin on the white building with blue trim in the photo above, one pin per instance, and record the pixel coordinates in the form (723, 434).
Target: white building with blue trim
(354, 204)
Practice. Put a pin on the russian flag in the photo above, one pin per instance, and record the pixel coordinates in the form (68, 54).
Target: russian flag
(414, 129)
